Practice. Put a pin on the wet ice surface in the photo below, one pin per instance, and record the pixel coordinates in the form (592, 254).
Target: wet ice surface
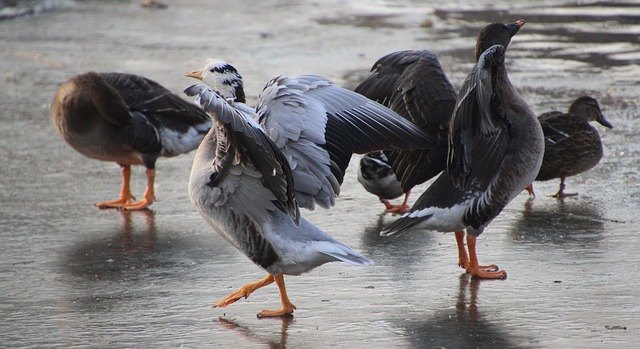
(75, 276)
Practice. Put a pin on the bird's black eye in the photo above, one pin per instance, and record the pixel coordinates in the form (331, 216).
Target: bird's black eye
(212, 70)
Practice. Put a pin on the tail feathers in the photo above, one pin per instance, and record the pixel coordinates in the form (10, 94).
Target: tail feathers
(403, 225)
(346, 254)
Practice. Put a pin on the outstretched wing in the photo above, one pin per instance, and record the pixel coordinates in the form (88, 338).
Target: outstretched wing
(243, 151)
(318, 126)
(479, 129)
(413, 84)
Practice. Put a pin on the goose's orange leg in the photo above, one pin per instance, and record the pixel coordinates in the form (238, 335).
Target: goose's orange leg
(463, 259)
(287, 307)
(243, 292)
(482, 272)
(125, 191)
(149, 196)
(246, 290)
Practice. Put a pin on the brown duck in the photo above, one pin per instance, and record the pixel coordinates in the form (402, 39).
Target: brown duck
(572, 145)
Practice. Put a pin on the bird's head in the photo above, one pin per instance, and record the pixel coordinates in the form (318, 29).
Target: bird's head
(222, 77)
(497, 34)
(588, 108)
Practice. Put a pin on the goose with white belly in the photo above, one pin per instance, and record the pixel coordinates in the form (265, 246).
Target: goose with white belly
(256, 167)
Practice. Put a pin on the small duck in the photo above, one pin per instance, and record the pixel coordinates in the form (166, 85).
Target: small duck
(495, 149)
(377, 177)
(127, 119)
(572, 145)
(256, 168)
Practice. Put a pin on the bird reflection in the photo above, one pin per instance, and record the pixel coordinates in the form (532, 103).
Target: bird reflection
(108, 257)
(280, 343)
(128, 244)
(463, 327)
(559, 222)
(372, 232)
(467, 307)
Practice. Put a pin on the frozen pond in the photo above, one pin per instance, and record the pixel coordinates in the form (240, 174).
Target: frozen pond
(72, 275)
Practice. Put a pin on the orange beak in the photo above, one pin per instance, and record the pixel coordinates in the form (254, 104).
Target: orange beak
(196, 74)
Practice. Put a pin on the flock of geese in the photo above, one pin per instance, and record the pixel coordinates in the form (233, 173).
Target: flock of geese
(256, 167)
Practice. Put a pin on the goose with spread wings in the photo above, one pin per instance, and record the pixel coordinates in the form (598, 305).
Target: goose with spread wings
(495, 149)
(414, 84)
(255, 168)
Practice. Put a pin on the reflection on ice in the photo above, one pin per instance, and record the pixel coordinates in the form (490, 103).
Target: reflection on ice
(463, 326)
(129, 249)
(253, 337)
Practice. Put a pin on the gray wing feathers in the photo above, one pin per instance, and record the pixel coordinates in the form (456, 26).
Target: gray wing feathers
(253, 148)
(296, 124)
(318, 126)
(243, 189)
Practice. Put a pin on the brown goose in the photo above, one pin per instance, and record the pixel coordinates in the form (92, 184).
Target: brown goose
(128, 119)
(495, 150)
(572, 145)
(413, 84)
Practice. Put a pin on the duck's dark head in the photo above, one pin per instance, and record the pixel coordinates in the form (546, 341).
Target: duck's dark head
(588, 108)
(496, 34)
(222, 77)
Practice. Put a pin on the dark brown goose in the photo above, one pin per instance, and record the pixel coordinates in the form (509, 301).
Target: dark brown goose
(572, 145)
(127, 119)
(495, 150)
(413, 84)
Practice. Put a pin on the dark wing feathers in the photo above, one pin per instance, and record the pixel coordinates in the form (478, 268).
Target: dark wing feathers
(553, 122)
(144, 138)
(413, 84)
(479, 127)
(156, 102)
(361, 130)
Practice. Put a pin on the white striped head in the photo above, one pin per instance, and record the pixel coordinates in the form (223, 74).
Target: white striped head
(222, 77)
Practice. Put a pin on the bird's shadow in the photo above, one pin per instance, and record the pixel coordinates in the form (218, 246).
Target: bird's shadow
(245, 332)
(108, 255)
(401, 251)
(115, 261)
(464, 326)
(559, 221)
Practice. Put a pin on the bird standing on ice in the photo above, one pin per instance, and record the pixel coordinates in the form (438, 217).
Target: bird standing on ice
(255, 168)
(128, 119)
